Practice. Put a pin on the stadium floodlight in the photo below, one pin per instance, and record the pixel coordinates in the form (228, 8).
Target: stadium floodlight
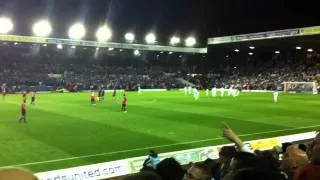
(6, 25)
(150, 38)
(42, 28)
(310, 50)
(298, 48)
(77, 31)
(129, 37)
(136, 52)
(251, 47)
(236, 50)
(59, 46)
(277, 52)
(174, 40)
(250, 53)
(190, 41)
(104, 33)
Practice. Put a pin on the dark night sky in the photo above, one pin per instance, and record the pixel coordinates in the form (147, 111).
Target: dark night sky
(201, 18)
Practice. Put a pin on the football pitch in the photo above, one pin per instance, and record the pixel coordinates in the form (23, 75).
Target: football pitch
(64, 130)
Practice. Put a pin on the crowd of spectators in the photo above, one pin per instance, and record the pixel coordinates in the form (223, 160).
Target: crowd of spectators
(239, 162)
(28, 71)
(23, 69)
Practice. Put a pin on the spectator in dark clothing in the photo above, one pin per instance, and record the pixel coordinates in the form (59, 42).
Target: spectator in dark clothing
(170, 169)
(303, 147)
(225, 156)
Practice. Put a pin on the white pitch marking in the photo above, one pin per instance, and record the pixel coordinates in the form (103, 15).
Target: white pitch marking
(148, 148)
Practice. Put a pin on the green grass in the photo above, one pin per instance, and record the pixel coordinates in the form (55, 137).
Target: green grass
(66, 125)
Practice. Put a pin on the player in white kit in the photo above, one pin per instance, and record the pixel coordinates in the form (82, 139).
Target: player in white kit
(275, 96)
(196, 94)
(185, 90)
(230, 91)
(214, 91)
(190, 89)
(222, 91)
(207, 92)
(4, 91)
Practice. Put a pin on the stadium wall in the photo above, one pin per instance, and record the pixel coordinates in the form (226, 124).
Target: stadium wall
(133, 165)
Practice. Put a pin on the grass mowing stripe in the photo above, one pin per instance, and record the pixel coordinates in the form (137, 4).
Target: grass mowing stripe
(153, 147)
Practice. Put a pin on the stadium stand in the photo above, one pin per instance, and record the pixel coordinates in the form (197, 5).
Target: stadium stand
(49, 71)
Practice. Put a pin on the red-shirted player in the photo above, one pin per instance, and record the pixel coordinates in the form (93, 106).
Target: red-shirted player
(23, 112)
(93, 99)
(33, 97)
(124, 104)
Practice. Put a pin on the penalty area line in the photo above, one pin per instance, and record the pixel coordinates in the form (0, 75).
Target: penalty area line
(151, 147)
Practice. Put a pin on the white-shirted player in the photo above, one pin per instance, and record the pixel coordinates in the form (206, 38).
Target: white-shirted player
(196, 93)
(222, 91)
(207, 92)
(4, 91)
(230, 90)
(185, 90)
(190, 89)
(275, 96)
(214, 91)
(139, 89)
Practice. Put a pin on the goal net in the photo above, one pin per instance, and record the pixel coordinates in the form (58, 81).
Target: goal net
(300, 87)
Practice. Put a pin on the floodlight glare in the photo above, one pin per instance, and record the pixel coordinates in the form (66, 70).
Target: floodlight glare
(174, 40)
(277, 52)
(42, 28)
(136, 52)
(310, 50)
(129, 37)
(250, 53)
(190, 41)
(237, 50)
(6, 25)
(252, 47)
(77, 31)
(104, 33)
(59, 46)
(298, 48)
(150, 38)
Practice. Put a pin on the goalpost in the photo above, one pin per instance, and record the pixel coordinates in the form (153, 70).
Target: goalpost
(300, 87)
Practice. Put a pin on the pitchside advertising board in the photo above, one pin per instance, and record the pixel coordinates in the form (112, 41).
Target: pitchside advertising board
(133, 165)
